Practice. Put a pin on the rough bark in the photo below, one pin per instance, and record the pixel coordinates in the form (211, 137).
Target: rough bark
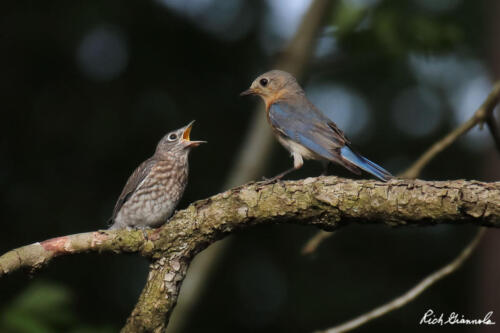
(324, 202)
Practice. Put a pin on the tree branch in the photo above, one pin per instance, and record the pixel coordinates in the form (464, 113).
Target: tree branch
(480, 116)
(324, 202)
(413, 292)
(37, 255)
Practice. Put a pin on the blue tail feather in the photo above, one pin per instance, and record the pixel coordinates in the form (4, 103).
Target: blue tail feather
(365, 164)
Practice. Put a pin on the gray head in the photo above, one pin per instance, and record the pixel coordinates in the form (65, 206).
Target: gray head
(177, 141)
(273, 84)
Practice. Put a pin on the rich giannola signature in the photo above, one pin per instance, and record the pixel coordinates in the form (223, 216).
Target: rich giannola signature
(454, 318)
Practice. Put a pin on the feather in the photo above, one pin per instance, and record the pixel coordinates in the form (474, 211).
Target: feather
(365, 164)
(132, 184)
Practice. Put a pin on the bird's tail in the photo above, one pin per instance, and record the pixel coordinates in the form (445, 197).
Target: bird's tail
(365, 164)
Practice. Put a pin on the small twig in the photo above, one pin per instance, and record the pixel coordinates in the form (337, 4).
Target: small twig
(412, 293)
(483, 114)
(312, 244)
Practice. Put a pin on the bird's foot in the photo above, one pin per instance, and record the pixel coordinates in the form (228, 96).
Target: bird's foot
(267, 181)
(144, 233)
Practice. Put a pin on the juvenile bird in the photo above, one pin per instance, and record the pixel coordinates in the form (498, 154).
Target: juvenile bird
(156, 186)
(303, 129)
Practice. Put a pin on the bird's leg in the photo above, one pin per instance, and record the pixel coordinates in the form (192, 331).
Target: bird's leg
(325, 165)
(145, 234)
(281, 175)
(298, 162)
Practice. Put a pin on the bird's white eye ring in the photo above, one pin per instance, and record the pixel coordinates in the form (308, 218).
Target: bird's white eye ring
(172, 137)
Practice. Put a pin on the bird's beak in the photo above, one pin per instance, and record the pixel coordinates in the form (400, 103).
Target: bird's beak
(249, 91)
(185, 136)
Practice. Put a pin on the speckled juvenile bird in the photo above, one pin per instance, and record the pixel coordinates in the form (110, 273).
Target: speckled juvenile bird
(303, 129)
(156, 186)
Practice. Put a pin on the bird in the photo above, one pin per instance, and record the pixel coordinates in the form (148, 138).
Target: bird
(303, 129)
(154, 189)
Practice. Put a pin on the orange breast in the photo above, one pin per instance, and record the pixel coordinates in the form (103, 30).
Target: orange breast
(270, 99)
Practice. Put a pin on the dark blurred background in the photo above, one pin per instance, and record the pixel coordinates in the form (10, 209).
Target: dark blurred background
(88, 88)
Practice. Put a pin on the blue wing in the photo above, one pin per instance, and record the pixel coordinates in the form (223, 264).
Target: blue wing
(306, 125)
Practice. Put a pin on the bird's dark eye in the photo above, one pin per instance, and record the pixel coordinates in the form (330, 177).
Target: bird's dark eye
(263, 82)
(172, 137)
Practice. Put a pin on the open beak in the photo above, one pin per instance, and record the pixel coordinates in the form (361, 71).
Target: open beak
(185, 136)
(249, 91)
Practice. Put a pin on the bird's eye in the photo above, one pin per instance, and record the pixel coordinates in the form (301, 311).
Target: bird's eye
(172, 137)
(263, 82)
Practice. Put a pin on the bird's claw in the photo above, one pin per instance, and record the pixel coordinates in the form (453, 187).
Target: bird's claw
(144, 233)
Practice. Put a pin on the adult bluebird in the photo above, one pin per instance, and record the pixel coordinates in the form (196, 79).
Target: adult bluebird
(303, 129)
(156, 186)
